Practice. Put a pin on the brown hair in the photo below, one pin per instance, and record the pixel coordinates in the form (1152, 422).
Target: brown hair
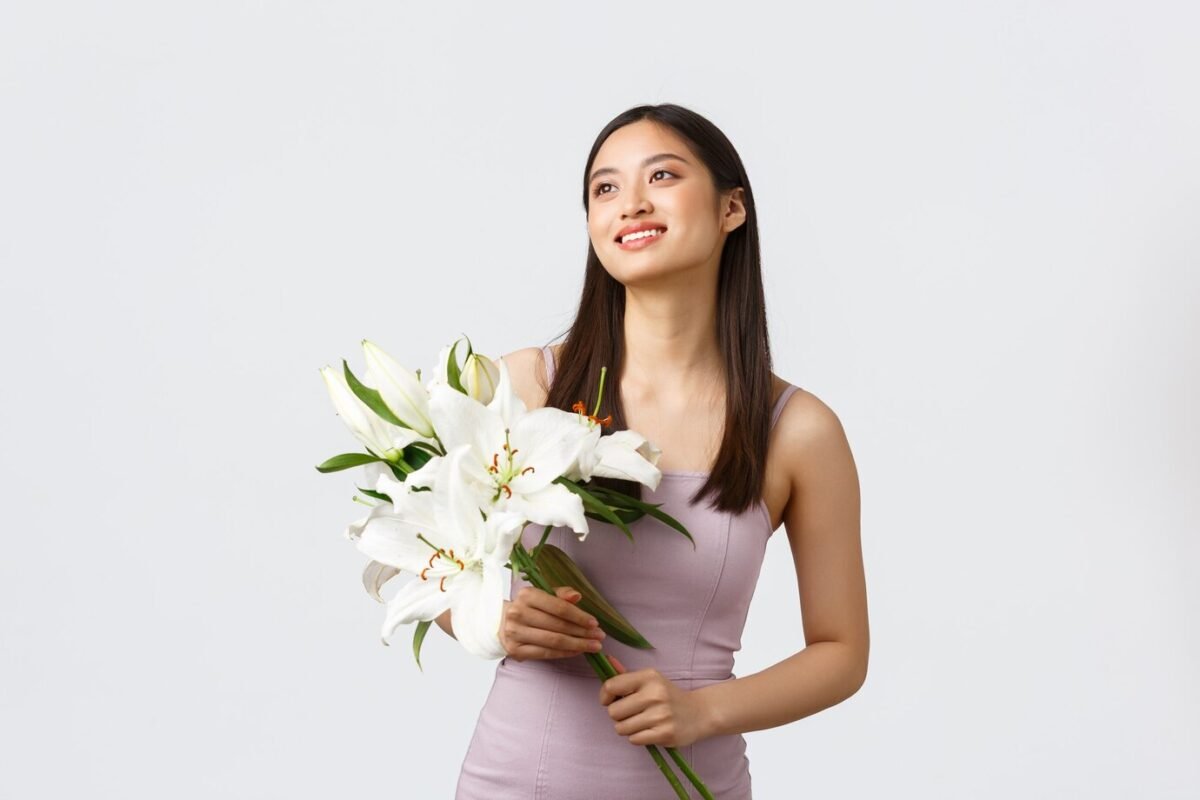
(595, 337)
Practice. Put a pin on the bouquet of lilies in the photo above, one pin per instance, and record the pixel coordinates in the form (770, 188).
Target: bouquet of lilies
(455, 468)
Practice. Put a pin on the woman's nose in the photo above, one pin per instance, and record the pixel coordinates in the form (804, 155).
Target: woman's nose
(635, 202)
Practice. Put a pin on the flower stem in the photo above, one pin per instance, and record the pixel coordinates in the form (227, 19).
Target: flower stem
(542, 541)
(686, 769)
(600, 391)
(605, 670)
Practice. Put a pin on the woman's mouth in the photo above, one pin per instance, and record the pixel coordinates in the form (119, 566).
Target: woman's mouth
(641, 239)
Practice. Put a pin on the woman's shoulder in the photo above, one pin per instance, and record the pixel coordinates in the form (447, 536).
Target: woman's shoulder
(527, 372)
(806, 429)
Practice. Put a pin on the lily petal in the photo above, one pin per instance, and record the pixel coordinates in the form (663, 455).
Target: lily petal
(478, 606)
(506, 402)
(460, 420)
(550, 439)
(552, 505)
(392, 540)
(620, 455)
(417, 600)
(457, 503)
(375, 575)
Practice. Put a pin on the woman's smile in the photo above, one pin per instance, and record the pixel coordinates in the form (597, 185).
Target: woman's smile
(642, 240)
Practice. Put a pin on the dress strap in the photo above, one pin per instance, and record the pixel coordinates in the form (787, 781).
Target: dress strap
(788, 391)
(548, 354)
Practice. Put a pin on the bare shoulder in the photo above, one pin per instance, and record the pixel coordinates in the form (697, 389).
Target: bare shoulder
(527, 371)
(810, 435)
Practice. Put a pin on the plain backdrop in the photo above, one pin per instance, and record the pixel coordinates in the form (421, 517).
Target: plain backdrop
(979, 232)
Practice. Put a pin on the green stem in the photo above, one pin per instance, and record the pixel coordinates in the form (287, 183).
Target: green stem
(600, 391)
(686, 769)
(605, 670)
(542, 541)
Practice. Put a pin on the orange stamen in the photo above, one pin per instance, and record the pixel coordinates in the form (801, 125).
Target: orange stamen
(582, 409)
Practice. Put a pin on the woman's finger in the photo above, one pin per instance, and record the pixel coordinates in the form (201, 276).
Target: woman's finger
(557, 641)
(629, 706)
(536, 618)
(524, 651)
(560, 607)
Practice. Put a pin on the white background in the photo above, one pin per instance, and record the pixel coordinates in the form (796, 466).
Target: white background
(979, 227)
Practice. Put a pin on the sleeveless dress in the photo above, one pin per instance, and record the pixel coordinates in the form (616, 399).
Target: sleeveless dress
(542, 733)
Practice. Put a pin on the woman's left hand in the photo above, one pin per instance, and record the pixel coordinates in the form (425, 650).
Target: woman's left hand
(649, 709)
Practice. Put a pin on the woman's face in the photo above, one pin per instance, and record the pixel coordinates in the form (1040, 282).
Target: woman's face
(633, 184)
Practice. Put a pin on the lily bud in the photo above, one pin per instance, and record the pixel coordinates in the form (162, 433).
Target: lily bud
(364, 423)
(400, 389)
(480, 378)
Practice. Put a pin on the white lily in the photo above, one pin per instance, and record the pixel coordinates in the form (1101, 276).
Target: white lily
(515, 454)
(627, 455)
(459, 564)
(400, 389)
(380, 436)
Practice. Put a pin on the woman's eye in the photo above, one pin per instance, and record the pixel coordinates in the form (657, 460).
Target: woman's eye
(597, 191)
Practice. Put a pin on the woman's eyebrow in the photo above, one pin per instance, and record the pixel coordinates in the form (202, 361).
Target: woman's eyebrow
(645, 163)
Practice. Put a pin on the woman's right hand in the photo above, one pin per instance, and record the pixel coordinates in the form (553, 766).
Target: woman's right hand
(536, 624)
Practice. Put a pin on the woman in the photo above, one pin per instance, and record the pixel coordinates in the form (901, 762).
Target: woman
(678, 316)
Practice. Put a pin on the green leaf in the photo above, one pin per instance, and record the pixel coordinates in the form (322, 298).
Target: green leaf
(453, 373)
(625, 514)
(418, 637)
(375, 494)
(346, 461)
(590, 503)
(613, 497)
(560, 570)
(370, 397)
(418, 454)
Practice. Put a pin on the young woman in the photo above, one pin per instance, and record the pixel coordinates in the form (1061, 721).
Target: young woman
(677, 314)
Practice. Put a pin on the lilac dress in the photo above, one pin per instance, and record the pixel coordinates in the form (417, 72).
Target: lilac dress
(542, 733)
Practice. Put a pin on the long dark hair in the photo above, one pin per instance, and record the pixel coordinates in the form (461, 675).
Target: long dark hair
(595, 338)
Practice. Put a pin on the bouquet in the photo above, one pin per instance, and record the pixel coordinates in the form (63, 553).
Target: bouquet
(455, 468)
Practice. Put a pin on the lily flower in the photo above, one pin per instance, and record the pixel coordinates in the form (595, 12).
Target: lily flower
(380, 436)
(401, 390)
(627, 455)
(514, 455)
(459, 563)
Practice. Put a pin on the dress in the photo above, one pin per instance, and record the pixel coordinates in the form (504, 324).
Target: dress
(542, 733)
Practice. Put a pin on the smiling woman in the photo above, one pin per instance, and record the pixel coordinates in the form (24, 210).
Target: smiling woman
(673, 305)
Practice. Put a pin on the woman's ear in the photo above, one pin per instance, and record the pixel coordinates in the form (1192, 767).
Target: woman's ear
(733, 209)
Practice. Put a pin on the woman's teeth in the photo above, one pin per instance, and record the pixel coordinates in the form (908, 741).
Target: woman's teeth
(640, 234)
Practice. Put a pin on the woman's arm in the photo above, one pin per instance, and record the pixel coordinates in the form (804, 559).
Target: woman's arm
(822, 518)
